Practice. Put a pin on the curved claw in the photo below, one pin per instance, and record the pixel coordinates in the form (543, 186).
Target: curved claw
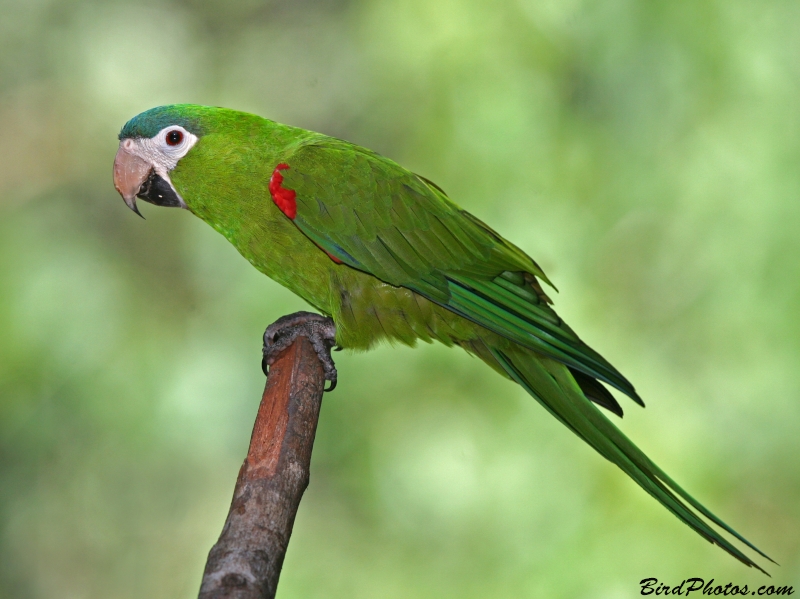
(320, 331)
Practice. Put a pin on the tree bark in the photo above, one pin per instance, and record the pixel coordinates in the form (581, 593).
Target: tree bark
(246, 561)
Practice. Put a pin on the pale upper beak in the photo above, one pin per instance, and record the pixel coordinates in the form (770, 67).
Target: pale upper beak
(130, 172)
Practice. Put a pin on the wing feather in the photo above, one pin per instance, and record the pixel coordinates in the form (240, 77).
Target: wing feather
(380, 218)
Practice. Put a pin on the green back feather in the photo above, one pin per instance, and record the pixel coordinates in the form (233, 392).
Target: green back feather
(398, 227)
(411, 235)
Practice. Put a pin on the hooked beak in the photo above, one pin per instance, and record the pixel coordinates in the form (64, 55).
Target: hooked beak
(130, 173)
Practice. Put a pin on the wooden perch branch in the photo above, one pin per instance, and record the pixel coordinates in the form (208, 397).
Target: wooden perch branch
(246, 561)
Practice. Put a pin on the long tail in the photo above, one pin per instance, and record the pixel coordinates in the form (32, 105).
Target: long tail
(551, 384)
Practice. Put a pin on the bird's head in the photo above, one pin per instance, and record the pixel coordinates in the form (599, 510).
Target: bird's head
(150, 146)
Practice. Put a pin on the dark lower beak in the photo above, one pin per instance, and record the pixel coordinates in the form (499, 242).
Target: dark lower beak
(157, 191)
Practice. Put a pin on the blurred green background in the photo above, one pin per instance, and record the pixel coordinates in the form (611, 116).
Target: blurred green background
(645, 153)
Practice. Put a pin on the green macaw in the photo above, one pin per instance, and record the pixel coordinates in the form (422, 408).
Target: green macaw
(385, 255)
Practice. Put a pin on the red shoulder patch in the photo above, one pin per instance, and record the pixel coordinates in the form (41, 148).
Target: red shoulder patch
(283, 198)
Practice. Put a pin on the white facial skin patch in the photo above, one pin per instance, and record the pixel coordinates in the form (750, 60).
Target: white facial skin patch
(162, 151)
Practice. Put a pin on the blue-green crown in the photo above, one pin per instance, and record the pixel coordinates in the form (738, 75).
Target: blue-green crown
(150, 122)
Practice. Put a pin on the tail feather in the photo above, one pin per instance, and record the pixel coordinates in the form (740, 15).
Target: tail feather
(594, 391)
(556, 389)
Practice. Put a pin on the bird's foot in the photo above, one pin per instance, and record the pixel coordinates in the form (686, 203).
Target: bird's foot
(320, 331)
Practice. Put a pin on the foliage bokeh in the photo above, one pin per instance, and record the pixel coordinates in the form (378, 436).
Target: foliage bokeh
(646, 153)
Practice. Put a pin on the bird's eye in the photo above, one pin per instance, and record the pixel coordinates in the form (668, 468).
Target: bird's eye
(174, 137)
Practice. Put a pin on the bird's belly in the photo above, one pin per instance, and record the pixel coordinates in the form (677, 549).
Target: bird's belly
(369, 310)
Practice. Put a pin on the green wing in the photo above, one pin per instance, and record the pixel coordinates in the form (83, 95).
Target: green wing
(374, 215)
